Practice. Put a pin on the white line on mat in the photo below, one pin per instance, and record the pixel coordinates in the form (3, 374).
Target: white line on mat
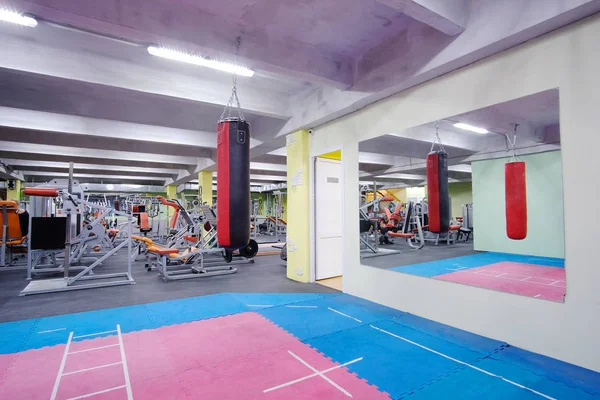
(52, 330)
(463, 363)
(301, 306)
(345, 315)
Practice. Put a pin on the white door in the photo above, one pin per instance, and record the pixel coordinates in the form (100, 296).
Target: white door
(328, 213)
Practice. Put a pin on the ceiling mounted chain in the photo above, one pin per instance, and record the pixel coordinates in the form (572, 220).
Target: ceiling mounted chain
(513, 143)
(234, 95)
(437, 139)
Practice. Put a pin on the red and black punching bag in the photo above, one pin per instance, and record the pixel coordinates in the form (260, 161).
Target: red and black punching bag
(515, 192)
(437, 192)
(233, 183)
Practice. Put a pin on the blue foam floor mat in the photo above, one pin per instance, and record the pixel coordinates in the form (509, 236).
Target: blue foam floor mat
(393, 365)
(404, 355)
(36, 333)
(474, 384)
(449, 265)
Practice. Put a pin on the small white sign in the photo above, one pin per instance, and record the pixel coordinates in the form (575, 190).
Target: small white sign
(297, 178)
(289, 139)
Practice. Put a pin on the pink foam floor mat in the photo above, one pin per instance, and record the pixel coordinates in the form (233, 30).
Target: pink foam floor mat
(233, 357)
(525, 279)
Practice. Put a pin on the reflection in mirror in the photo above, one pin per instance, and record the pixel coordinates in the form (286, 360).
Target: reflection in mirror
(474, 199)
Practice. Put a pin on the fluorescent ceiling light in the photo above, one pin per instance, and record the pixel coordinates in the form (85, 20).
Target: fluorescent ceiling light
(17, 18)
(110, 187)
(132, 186)
(200, 61)
(471, 128)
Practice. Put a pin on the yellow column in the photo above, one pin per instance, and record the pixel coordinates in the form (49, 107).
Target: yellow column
(298, 233)
(171, 194)
(13, 194)
(205, 187)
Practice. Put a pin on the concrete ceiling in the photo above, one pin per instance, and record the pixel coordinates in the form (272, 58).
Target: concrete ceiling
(82, 87)
(403, 153)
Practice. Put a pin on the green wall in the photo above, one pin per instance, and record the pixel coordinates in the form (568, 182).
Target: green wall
(460, 193)
(545, 225)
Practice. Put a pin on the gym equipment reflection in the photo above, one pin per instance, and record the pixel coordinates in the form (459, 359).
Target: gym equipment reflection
(480, 209)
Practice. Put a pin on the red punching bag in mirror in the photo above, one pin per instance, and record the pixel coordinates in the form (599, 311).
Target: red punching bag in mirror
(516, 200)
(438, 196)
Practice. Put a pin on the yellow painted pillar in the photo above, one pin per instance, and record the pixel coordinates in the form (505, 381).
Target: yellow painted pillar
(171, 195)
(298, 227)
(13, 194)
(205, 187)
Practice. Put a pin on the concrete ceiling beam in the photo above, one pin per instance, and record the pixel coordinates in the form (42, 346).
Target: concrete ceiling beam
(449, 137)
(100, 63)
(32, 164)
(447, 16)
(30, 148)
(189, 28)
(460, 168)
(75, 125)
(408, 177)
(268, 166)
(8, 174)
(94, 176)
(539, 148)
(380, 159)
(415, 165)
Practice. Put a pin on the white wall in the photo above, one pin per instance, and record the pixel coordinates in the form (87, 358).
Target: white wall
(568, 59)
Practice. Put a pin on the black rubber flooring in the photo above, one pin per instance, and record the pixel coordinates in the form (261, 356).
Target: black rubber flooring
(267, 275)
(410, 256)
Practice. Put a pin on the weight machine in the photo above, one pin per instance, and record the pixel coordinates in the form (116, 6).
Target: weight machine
(422, 212)
(202, 259)
(412, 229)
(273, 224)
(370, 234)
(52, 236)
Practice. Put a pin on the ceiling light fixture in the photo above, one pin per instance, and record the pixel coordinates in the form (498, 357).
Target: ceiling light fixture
(200, 61)
(110, 186)
(17, 18)
(471, 128)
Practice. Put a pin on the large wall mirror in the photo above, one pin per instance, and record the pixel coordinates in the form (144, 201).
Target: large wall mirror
(475, 199)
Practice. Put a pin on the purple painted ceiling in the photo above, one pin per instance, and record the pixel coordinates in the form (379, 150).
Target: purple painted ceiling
(315, 61)
(341, 27)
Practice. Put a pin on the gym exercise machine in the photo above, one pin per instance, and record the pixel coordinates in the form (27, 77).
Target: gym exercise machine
(13, 238)
(411, 229)
(254, 221)
(450, 236)
(52, 236)
(202, 257)
(273, 224)
(370, 224)
(466, 223)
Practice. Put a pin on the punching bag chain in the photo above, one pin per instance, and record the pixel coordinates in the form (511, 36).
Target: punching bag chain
(513, 143)
(234, 96)
(437, 139)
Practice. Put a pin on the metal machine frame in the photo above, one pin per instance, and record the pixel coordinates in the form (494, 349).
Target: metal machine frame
(371, 248)
(205, 258)
(73, 204)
